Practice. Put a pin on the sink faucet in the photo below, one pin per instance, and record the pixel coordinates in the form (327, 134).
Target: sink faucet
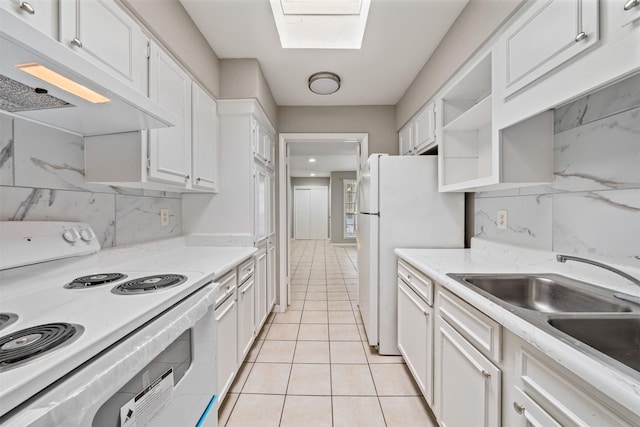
(565, 258)
(631, 298)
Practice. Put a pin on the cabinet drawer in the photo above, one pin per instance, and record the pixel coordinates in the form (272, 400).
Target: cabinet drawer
(228, 285)
(245, 270)
(417, 281)
(554, 390)
(482, 331)
(532, 414)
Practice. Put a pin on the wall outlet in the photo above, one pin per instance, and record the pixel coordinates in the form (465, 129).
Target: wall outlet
(502, 220)
(164, 217)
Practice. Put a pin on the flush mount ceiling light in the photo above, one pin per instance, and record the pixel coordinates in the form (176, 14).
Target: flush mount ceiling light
(320, 24)
(324, 83)
(312, 174)
(312, 160)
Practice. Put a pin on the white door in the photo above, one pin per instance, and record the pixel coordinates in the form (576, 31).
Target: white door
(311, 213)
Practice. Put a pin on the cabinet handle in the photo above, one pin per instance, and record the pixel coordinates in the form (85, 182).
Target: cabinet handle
(76, 42)
(581, 36)
(631, 4)
(30, 10)
(198, 179)
(518, 408)
(186, 178)
(486, 374)
(409, 277)
(426, 313)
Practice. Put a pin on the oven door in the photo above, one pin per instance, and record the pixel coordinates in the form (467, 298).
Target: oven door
(162, 375)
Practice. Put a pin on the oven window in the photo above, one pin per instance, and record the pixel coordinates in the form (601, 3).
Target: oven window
(177, 355)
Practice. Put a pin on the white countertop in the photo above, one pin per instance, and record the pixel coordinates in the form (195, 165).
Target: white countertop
(489, 257)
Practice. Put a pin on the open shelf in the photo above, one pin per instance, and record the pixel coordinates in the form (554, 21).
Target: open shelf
(474, 118)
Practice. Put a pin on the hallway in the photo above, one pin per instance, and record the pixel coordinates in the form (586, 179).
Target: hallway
(311, 366)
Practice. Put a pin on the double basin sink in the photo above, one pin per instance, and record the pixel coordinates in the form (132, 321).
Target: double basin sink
(576, 312)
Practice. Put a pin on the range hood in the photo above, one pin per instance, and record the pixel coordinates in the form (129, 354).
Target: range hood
(126, 109)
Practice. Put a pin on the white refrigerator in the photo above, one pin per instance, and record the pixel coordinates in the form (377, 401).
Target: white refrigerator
(399, 207)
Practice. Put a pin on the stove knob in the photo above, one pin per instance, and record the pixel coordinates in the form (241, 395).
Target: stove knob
(87, 235)
(71, 235)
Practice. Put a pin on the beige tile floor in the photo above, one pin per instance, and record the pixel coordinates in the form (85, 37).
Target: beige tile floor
(311, 366)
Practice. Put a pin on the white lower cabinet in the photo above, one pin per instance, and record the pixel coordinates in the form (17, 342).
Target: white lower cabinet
(226, 316)
(540, 392)
(484, 375)
(261, 285)
(415, 337)
(271, 274)
(246, 317)
(467, 385)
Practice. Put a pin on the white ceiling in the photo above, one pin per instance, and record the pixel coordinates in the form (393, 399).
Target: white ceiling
(331, 156)
(399, 38)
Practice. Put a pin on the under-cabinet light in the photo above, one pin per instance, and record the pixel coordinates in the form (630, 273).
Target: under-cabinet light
(62, 82)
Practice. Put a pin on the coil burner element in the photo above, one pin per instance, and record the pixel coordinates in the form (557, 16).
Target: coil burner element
(27, 344)
(149, 284)
(95, 280)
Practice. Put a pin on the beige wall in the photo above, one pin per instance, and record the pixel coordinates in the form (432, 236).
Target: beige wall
(377, 121)
(243, 78)
(477, 22)
(172, 25)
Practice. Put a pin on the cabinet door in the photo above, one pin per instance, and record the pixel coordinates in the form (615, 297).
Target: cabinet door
(406, 140)
(105, 34)
(272, 202)
(260, 204)
(41, 14)
(170, 148)
(415, 337)
(261, 287)
(466, 385)
(424, 127)
(205, 140)
(271, 276)
(246, 317)
(226, 344)
(630, 11)
(547, 35)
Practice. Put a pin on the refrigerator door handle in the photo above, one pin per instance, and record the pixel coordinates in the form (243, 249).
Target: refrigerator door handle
(370, 213)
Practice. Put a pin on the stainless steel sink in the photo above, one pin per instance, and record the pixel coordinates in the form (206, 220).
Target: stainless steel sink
(587, 317)
(617, 337)
(545, 293)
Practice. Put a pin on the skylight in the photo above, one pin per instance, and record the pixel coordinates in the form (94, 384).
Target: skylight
(320, 24)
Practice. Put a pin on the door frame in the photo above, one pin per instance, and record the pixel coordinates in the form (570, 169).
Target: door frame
(284, 198)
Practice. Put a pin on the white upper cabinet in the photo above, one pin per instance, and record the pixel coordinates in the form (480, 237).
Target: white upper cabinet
(41, 14)
(420, 133)
(474, 153)
(406, 139)
(205, 140)
(424, 126)
(105, 34)
(552, 32)
(170, 149)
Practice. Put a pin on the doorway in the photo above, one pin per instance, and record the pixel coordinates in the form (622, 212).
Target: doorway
(286, 218)
(311, 213)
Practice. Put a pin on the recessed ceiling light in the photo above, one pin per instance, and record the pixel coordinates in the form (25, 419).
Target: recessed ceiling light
(320, 24)
(312, 160)
(324, 83)
(312, 174)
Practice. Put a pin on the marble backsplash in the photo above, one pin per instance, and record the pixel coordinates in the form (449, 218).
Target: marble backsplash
(592, 207)
(42, 179)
